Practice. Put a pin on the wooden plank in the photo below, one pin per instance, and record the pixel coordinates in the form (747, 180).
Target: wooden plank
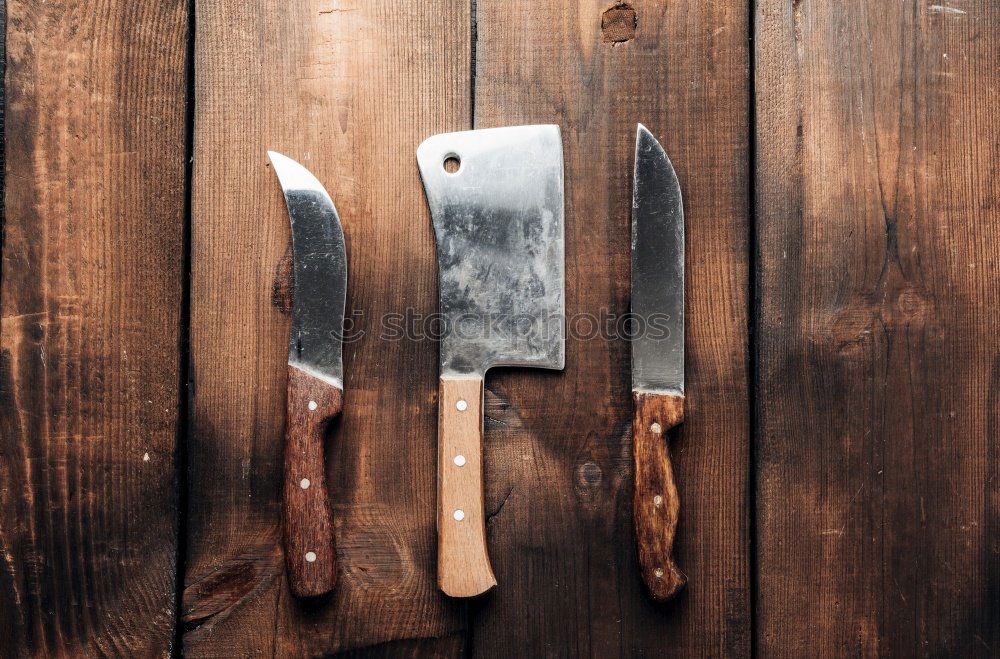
(558, 446)
(878, 487)
(89, 326)
(349, 88)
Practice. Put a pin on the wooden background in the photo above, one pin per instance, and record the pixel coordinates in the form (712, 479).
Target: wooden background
(840, 464)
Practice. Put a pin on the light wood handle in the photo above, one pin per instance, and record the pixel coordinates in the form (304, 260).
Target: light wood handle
(463, 562)
(656, 504)
(310, 556)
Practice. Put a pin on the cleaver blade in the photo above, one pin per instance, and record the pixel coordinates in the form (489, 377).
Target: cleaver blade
(496, 202)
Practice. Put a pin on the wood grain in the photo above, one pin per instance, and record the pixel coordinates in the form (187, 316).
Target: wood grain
(463, 559)
(878, 328)
(656, 503)
(307, 523)
(90, 300)
(558, 447)
(349, 88)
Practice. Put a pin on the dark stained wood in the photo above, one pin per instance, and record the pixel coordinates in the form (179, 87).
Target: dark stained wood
(656, 503)
(558, 448)
(307, 523)
(90, 305)
(349, 88)
(878, 328)
(424, 648)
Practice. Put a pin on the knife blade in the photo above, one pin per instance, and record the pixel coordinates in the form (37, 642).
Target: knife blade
(657, 358)
(315, 375)
(498, 224)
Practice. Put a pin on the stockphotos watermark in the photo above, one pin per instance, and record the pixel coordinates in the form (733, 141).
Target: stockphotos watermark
(416, 326)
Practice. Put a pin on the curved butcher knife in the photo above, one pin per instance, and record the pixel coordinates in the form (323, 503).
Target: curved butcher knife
(657, 358)
(315, 375)
(498, 221)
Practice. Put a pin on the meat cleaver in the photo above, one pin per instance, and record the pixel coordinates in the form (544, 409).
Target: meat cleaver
(496, 201)
(657, 358)
(315, 375)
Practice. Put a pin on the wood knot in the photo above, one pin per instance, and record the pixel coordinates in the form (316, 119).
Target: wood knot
(370, 552)
(231, 584)
(588, 482)
(911, 305)
(851, 328)
(283, 286)
(887, 309)
(589, 474)
(618, 23)
(36, 332)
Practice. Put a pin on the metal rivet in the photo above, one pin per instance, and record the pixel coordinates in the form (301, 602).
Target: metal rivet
(311, 556)
(658, 573)
(304, 483)
(656, 428)
(461, 405)
(459, 515)
(460, 460)
(312, 405)
(657, 500)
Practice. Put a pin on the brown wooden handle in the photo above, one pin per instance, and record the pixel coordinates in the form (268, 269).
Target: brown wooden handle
(463, 562)
(656, 505)
(310, 556)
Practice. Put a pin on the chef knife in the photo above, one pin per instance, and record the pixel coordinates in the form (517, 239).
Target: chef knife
(496, 201)
(657, 358)
(315, 375)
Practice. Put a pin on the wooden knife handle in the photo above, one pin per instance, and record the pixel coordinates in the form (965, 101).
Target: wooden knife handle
(310, 556)
(656, 505)
(463, 562)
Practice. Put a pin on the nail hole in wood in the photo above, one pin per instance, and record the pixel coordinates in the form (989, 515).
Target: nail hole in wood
(460, 460)
(312, 406)
(311, 556)
(304, 483)
(656, 428)
(461, 405)
(459, 515)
